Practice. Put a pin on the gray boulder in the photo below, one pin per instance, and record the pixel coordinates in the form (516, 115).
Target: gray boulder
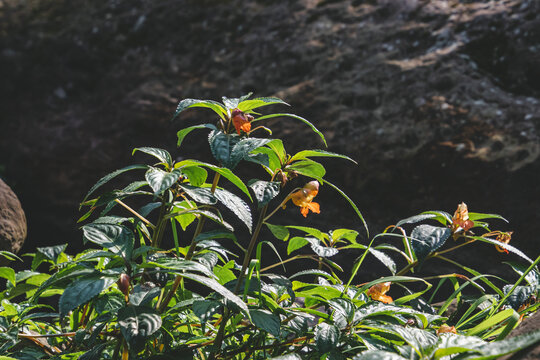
(12, 220)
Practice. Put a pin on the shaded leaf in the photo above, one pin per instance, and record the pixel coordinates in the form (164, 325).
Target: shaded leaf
(426, 238)
(160, 180)
(326, 337)
(209, 104)
(265, 191)
(162, 155)
(280, 232)
(112, 175)
(236, 205)
(82, 291)
(265, 320)
(184, 132)
(117, 238)
(137, 323)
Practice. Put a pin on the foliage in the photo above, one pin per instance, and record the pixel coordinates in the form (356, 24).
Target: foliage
(206, 295)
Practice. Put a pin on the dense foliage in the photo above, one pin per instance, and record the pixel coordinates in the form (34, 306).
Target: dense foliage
(215, 296)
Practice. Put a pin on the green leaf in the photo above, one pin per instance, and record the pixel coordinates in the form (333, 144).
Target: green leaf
(162, 155)
(220, 289)
(184, 132)
(236, 205)
(205, 309)
(497, 349)
(326, 337)
(290, 356)
(82, 291)
(426, 238)
(306, 154)
(221, 145)
(490, 322)
(385, 259)
(280, 232)
(52, 252)
(178, 265)
(531, 277)
(296, 243)
(112, 175)
(160, 180)
(350, 202)
(117, 238)
(265, 320)
(265, 191)
(142, 294)
(277, 146)
(200, 195)
(479, 216)
(137, 324)
(378, 355)
(415, 219)
(297, 118)
(243, 148)
(196, 175)
(9, 274)
(92, 354)
(189, 103)
(228, 174)
(519, 295)
(508, 247)
(308, 168)
(184, 219)
(248, 105)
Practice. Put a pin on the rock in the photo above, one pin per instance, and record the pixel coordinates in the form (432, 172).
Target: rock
(12, 220)
(528, 325)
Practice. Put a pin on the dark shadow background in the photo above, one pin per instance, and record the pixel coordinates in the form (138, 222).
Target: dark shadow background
(438, 101)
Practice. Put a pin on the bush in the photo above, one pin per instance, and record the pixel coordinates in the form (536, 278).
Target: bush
(211, 296)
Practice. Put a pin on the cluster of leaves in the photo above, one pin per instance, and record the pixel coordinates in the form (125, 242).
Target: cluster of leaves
(207, 295)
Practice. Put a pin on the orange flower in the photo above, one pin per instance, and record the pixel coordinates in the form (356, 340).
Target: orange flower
(304, 198)
(378, 291)
(446, 329)
(505, 238)
(461, 219)
(241, 121)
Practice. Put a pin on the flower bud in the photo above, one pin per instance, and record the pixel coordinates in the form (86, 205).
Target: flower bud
(123, 284)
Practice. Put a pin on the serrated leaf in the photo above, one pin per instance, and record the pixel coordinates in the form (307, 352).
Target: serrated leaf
(137, 323)
(221, 145)
(178, 265)
(343, 312)
(248, 105)
(236, 205)
(228, 174)
(378, 355)
(415, 219)
(497, 349)
(321, 250)
(519, 296)
(308, 168)
(508, 247)
(294, 117)
(209, 104)
(160, 180)
(200, 195)
(117, 238)
(196, 175)
(82, 291)
(243, 148)
(220, 289)
(9, 274)
(142, 294)
(112, 175)
(205, 309)
(426, 238)
(265, 320)
(385, 259)
(326, 337)
(162, 155)
(265, 191)
(184, 132)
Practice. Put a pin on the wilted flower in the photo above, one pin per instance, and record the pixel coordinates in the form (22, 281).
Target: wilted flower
(123, 284)
(377, 292)
(505, 238)
(241, 121)
(304, 198)
(460, 220)
(446, 329)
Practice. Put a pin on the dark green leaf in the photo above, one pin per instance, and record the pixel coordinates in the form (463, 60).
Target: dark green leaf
(94, 353)
(52, 252)
(137, 323)
(117, 238)
(496, 349)
(519, 296)
(242, 149)
(200, 195)
(265, 320)
(142, 294)
(288, 357)
(236, 205)
(426, 238)
(415, 219)
(178, 265)
(294, 117)
(160, 180)
(215, 234)
(326, 337)
(162, 155)
(221, 145)
(82, 291)
(205, 309)
(188, 103)
(385, 259)
(184, 132)
(265, 191)
(532, 277)
(378, 355)
(112, 175)
(280, 232)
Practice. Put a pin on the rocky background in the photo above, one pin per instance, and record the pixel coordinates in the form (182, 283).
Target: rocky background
(438, 101)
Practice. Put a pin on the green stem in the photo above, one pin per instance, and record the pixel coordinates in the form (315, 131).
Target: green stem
(247, 258)
(158, 230)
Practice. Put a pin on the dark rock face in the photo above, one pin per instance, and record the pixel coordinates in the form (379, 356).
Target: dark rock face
(438, 101)
(12, 220)
(528, 325)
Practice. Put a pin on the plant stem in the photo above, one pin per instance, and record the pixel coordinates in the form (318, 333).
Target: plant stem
(191, 251)
(150, 225)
